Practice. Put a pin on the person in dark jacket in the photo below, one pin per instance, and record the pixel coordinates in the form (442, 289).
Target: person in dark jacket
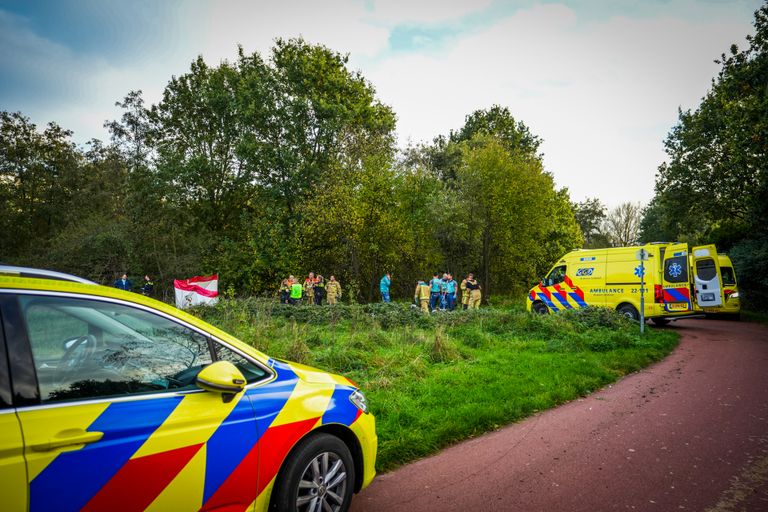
(148, 286)
(319, 290)
(123, 283)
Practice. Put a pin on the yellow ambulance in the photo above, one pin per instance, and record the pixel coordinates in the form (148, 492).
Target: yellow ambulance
(678, 281)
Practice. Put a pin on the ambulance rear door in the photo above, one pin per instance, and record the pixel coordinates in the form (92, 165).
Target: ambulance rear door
(706, 277)
(675, 280)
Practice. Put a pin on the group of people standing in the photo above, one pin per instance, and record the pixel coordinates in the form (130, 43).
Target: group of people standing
(440, 293)
(314, 290)
(126, 284)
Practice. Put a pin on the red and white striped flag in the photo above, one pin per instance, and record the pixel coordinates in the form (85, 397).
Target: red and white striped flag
(196, 290)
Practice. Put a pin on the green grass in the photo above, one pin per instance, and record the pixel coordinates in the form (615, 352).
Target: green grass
(759, 317)
(434, 380)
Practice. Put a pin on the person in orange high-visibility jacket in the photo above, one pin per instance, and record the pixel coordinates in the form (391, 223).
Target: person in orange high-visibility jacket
(421, 296)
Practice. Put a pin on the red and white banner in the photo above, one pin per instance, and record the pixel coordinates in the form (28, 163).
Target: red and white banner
(196, 290)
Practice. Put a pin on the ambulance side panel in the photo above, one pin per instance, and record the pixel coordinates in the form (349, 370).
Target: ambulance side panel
(622, 285)
(587, 272)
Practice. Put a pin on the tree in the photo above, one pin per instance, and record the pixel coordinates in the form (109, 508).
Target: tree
(622, 224)
(517, 222)
(443, 157)
(590, 215)
(715, 186)
(40, 175)
(355, 228)
(498, 122)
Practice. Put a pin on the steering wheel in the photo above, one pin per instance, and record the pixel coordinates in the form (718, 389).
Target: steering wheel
(77, 354)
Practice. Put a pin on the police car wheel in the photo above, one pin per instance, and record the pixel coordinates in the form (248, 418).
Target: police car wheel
(319, 475)
(540, 308)
(629, 311)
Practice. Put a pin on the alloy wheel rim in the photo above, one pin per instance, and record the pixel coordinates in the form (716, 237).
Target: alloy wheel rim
(323, 484)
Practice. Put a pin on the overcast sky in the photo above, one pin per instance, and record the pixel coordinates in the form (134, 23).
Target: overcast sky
(600, 81)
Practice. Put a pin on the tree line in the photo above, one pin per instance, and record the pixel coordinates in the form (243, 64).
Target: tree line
(286, 163)
(714, 188)
(281, 164)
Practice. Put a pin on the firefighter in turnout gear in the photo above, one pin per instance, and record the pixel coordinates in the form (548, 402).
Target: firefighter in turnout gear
(421, 296)
(333, 290)
(309, 288)
(464, 293)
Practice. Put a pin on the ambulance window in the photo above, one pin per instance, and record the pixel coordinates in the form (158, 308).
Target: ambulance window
(705, 269)
(556, 276)
(729, 278)
(676, 269)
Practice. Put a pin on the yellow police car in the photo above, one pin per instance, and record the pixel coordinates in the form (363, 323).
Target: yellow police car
(113, 401)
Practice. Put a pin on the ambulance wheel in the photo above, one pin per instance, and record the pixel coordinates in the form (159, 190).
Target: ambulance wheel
(660, 321)
(629, 311)
(540, 308)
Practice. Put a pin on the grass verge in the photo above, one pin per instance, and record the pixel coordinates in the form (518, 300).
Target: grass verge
(759, 317)
(434, 380)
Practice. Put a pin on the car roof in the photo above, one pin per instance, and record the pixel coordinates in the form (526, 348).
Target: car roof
(13, 270)
(35, 281)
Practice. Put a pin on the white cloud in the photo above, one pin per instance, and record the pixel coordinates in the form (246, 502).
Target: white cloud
(424, 11)
(602, 95)
(337, 24)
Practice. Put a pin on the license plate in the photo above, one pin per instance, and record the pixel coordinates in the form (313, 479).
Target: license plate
(677, 306)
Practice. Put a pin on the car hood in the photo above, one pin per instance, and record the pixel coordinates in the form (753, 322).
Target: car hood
(316, 376)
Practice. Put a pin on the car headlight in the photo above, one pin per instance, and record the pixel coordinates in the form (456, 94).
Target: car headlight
(734, 295)
(358, 398)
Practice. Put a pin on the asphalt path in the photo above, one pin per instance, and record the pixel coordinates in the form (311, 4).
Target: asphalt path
(688, 433)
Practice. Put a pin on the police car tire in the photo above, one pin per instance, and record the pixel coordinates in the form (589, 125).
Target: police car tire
(287, 483)
(540, 308)
(629, 311)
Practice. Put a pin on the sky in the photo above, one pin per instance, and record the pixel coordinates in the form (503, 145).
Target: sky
(600, 81)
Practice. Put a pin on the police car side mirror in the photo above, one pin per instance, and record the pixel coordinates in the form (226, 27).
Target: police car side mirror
(221, 377)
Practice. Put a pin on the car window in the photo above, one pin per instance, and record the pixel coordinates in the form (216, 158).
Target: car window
(705, 269)
(729, 278)
(92, 349)
(251, 371)
(557, 276)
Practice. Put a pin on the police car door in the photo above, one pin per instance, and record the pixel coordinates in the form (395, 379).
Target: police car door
(675, 279)
(13, 471)
(115, 420)
(706, 277)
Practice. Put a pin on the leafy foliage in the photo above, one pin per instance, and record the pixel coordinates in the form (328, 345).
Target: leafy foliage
(715, 186)
(591, 217)
(280, 164)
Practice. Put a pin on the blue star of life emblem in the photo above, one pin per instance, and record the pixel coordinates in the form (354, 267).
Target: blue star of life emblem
(675, 270)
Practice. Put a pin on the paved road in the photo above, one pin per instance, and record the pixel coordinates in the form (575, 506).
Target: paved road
(689, 433)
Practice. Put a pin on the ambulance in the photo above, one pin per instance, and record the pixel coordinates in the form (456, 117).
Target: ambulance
(678, 281)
